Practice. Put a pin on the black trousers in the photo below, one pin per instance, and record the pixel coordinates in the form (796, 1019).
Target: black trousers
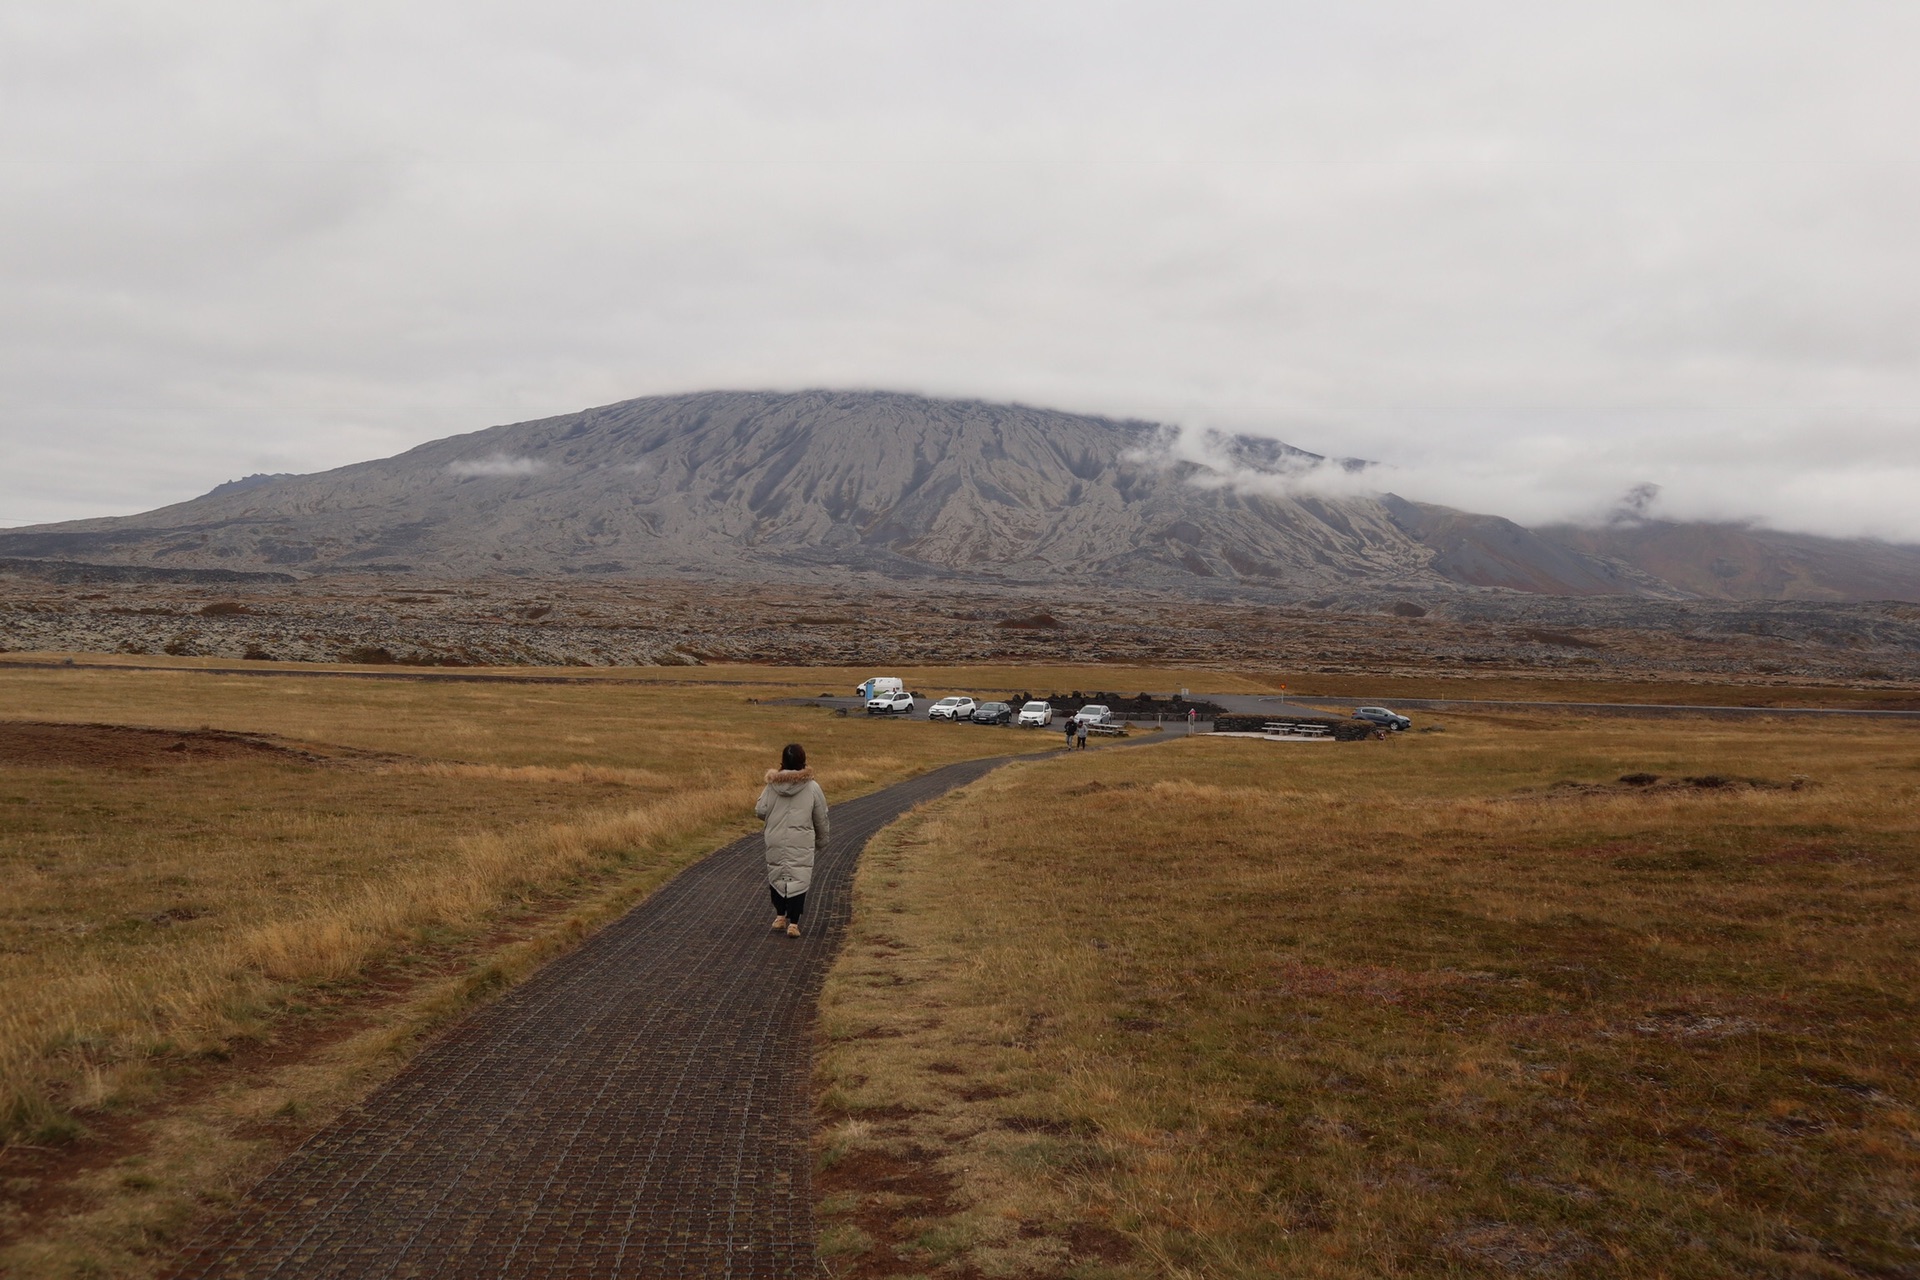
(785, 906)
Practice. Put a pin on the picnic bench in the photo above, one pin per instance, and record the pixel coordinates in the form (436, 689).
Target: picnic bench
(1299, 728)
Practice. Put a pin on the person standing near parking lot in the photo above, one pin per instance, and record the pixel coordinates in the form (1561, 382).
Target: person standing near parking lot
(1081, 732)
(795, 810)
(1069, 727)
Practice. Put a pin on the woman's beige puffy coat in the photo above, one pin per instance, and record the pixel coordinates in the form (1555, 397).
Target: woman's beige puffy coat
(796, 812)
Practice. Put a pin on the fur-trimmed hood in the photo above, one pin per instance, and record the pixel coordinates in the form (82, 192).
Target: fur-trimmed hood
(788, 781)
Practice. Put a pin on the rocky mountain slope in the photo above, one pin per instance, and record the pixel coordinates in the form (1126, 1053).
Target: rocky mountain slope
(811, 485)
(1736, 562)
(843, 487)
(1489, 551)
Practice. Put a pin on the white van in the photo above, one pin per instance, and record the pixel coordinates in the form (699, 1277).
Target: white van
(878, 685)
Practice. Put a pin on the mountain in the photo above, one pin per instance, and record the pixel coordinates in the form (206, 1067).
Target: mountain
(821, 485)
(1489, 551)
(1740, 562)
(757, 484)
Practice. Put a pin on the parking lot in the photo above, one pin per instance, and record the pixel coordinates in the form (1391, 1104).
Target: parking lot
(921, 709)
(1279, 708)
(923, 706)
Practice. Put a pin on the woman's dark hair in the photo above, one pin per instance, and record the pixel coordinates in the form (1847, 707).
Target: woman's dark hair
(793, 757)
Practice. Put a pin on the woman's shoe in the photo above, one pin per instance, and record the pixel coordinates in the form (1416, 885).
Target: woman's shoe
(779, 923)
(793, 931)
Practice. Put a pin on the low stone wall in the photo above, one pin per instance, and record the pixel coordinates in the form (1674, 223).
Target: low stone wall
(1142, 706)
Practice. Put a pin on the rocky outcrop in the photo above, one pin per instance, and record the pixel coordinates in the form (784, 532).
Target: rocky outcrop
(602, 622)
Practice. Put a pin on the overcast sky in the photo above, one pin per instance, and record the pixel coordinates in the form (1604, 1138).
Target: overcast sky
(1530, 254)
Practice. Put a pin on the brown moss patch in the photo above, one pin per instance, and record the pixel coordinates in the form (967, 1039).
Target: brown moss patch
(41, 744)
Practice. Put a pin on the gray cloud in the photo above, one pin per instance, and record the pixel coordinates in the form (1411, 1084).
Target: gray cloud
(1527, 258)
(497, 464)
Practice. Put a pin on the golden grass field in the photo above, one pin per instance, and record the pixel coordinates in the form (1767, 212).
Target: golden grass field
(163, 911)
(1207, 1008)
(1231, 1008)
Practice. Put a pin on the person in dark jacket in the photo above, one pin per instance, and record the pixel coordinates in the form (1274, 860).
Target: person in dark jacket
(1069, 728)
(795, 810)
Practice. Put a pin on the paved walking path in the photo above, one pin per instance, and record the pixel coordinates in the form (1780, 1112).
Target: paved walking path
(637, 1108)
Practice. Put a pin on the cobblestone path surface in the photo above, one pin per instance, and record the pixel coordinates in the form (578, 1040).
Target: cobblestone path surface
(637, 1108)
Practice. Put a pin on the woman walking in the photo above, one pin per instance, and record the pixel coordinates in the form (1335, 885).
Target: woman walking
(796, 813)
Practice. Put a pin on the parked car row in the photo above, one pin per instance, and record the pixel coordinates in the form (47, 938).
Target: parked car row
(959, 708)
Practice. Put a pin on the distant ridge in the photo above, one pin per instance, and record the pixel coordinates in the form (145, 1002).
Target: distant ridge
(1740, 562)
(253, 481)
(829, 485)
(75, 571)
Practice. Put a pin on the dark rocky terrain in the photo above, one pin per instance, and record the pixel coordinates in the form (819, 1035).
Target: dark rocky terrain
(613, 622)
(868, 487)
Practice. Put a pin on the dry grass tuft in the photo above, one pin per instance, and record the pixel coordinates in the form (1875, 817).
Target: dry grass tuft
(574, 774)
(340, 936)
(1230, 1008)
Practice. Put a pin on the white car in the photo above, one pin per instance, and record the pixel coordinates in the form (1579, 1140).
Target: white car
(1035, 713)
(897, 703)
(1094, 713)
(954, 709)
